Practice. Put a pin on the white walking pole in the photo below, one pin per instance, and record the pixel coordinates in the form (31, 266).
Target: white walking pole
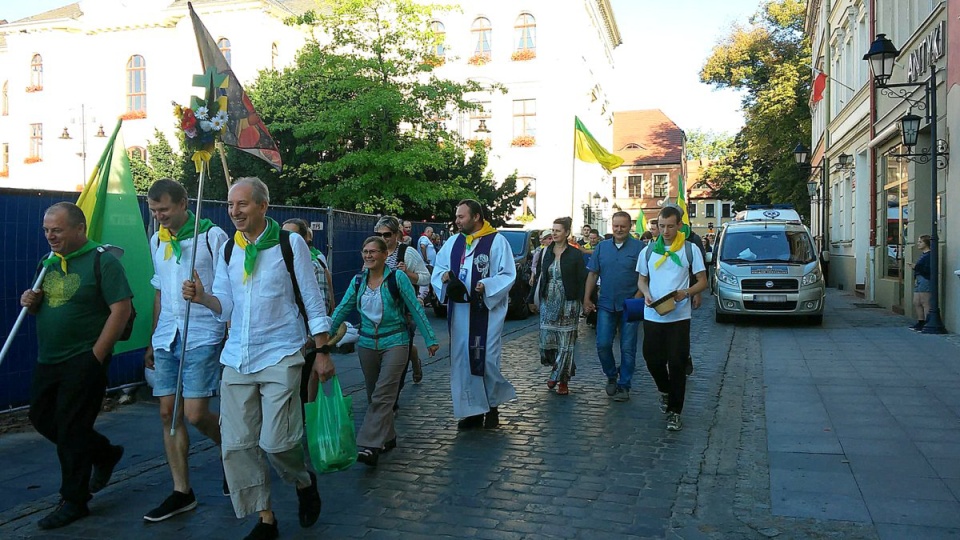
(186, 314)
(22, 316)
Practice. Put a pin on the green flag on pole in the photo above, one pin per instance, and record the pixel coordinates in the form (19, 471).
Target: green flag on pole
(682, 203)
(641, 226)
(109, 202)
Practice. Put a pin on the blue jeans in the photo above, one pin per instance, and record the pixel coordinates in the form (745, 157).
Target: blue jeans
(607, 324)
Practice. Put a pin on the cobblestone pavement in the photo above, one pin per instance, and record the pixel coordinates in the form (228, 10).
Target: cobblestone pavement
(577, 466)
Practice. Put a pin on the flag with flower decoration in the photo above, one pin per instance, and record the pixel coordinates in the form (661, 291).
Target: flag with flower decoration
(241, 126)
(204, 121)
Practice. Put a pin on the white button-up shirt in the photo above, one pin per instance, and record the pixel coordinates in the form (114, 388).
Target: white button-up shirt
(168, 278)
(265, 322)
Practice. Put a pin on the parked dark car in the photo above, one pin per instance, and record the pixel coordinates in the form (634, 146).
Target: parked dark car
(521, 242)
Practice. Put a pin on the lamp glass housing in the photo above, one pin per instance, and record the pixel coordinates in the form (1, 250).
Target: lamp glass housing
(909, 129)
(882, 55)
(801, 154)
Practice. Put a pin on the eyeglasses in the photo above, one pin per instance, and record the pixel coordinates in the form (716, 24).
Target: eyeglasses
(387, 234)
(370, 252)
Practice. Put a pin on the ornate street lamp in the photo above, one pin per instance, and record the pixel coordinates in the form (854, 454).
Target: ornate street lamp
(844, 162)
(882, 57)
(801, 154)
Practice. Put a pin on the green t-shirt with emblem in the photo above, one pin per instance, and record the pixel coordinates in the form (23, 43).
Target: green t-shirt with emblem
(74, 311)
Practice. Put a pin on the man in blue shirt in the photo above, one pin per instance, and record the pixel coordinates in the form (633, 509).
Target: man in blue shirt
(614, 261)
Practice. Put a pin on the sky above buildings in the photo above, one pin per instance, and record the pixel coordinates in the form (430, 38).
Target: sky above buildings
(665, 44)
(657, 67)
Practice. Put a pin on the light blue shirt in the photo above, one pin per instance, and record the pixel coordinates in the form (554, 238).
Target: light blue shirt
(168, 278)
(617, 269)
(265, 323)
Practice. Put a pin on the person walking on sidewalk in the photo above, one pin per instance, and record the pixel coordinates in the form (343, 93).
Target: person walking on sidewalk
(615, 263)
(403, 257)
(664, 272)
(560, 280)
(172, 249)
(383, 297)
(474, 272)
(82, 309)
(265, 288)
(921, 290)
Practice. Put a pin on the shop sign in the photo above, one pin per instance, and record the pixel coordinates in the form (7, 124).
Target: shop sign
(929, 51)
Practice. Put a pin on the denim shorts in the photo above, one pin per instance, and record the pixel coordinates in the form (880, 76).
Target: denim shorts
(201, 373)
(923, 285)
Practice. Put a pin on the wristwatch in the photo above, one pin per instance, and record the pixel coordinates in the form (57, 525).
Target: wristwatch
(325, 349)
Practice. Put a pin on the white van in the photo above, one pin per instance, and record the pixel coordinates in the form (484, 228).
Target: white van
(766, 264)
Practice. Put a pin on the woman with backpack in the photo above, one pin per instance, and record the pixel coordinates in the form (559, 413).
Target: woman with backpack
(383, 297)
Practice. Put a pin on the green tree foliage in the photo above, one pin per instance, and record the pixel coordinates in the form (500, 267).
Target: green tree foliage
(769, 61)
(142, 173)
(359, 118)
(708, 145)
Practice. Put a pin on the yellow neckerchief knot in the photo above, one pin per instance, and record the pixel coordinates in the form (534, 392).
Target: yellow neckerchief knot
(485, 230)
(54, 258)
(268, 239)
(185, 233)
(671, 253)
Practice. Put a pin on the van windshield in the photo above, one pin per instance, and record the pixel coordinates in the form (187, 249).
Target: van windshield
(767, 246)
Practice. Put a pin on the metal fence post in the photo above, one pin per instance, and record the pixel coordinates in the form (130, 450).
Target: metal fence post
(330, 238)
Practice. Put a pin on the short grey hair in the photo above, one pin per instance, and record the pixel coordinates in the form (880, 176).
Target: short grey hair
(389, 222)
(259, 191)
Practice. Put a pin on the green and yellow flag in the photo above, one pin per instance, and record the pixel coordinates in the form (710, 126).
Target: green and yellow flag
(682, 203)
(588, 149)
(109, 201)
(641, 226)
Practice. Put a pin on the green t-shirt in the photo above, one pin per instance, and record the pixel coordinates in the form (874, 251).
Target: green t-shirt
(73, 311)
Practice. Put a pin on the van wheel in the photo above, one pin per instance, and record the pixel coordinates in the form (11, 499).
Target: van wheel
(815, 320)
(723, 318)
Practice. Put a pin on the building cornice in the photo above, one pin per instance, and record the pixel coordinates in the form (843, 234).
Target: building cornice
(610, 21)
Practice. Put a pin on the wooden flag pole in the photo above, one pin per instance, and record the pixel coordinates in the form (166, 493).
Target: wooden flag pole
(223, 161)
(186, 315)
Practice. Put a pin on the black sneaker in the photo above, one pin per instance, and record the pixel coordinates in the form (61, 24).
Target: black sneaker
(64, 514)
(265, 531)
(688, 367)
(622, 394)
(491, 419)
(470, 422)
(103, 471)
(611, 387)
(389, 445)
(176, 503)
(310, 503)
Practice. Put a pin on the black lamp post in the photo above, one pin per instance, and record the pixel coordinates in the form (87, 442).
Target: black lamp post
(882, 57)
(801, 154)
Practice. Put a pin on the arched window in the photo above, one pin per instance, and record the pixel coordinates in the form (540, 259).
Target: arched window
(224, 45)
(525, 32)
(5, 99)
(36, 72)
(481, 31)
(137, 151)
(274, 54)
(136, 84)
(439, 36)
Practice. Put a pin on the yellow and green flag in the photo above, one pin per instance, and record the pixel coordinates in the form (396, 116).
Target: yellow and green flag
(641, 226)
(588, 149)
(682, 203)
(109, 201)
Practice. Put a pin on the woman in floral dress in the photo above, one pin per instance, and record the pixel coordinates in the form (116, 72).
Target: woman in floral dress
(560, 281)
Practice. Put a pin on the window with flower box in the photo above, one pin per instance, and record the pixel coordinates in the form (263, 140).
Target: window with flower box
(525, 37)
(137, 84)
(36, 74)
(481, 31)
(524, 122)
(36, 143)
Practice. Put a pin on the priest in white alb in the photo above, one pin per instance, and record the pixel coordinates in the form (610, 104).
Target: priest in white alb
(473, 273)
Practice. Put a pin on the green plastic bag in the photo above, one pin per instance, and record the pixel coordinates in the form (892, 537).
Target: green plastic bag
(331, 435)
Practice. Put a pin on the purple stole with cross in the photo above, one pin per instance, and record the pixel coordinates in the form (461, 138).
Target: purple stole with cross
(479, 314)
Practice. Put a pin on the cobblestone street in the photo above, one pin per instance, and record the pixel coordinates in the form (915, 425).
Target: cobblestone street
(577, 466)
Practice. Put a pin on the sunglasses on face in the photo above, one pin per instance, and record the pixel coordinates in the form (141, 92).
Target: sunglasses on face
(387, 234)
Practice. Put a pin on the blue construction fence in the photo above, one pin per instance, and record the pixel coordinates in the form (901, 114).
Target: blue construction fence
(339, 234)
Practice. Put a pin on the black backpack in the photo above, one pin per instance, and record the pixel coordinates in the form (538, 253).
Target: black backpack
(287, 251)
(128, 328)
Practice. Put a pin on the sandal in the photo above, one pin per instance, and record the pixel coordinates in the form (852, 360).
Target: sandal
(368, 456)
(551, 383)
(562, 390)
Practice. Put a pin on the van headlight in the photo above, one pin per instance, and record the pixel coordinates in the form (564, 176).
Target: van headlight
(725, 277)
(810, 278)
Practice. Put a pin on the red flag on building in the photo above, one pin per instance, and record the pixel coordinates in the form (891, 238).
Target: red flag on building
(819, 85)
(244, 129)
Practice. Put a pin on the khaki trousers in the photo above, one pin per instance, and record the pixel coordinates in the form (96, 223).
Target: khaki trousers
(382, 371)
(260, 421)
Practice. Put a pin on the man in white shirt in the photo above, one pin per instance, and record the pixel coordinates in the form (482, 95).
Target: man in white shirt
(260, 400)
(173, 249)
(664, 268)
